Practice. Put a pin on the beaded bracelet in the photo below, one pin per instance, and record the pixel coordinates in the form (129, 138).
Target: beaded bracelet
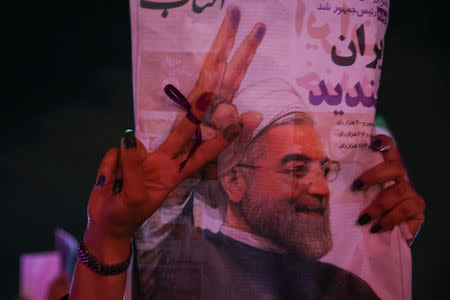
(97, 265)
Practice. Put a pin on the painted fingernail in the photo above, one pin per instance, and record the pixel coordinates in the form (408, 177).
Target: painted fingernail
(375, 228)
(357, 185)
(129, 140)
(235, 17)
(101, 181)
(364, 219)
(204, 100)
(117, 187)
(375, 144)
(232, 131)
(260, 32)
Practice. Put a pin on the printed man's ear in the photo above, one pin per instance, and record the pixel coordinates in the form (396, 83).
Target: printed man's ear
(234, 185)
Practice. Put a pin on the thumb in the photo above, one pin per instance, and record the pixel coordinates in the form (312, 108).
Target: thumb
(132, 155)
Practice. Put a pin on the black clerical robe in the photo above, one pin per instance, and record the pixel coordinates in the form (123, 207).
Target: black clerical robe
(198, 264)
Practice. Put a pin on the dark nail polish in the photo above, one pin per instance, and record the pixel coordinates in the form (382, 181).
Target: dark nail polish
(357, 185)
(101, 181)
(375, 144)
(129, 140)
(204, 101)
(232, 132)
(375, 228)
(117, 187)
(364, 219)
(260, 32)
(235, 17)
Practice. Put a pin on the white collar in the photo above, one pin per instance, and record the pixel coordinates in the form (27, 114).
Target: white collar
(251, 239)
(210, 218)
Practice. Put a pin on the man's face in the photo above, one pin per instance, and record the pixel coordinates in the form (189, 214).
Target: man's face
(287, 199)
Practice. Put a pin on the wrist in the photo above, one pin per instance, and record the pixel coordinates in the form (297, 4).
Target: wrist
(111, 250)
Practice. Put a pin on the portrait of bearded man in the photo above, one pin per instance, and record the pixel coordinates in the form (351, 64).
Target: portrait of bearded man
(260, 228)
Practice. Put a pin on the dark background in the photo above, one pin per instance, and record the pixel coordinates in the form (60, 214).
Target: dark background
(68, 99)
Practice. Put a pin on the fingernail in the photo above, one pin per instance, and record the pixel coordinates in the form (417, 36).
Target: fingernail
(260, 32)
(117, 187)
(357, 184)
(375, 228)
(375, 144)
(232, 131)
(129, 140)
(235, 17)
(364, 219)
(101, 181)
(204, 101)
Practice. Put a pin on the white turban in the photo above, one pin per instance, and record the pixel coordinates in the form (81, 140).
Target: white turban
(271, 98)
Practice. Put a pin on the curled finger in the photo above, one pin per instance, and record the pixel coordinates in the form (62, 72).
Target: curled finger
(385, 201)
(106, 180)
(106, 174)
(232, 155)
(403, 211)
(132, 157)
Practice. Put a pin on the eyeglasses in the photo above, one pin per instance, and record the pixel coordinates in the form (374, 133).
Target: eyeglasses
(330, 169)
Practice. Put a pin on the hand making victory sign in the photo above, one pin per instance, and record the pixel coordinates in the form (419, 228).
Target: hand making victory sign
(132, 184)
(223, 77)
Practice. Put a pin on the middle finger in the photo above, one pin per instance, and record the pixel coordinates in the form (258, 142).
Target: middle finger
(239, 63)
(215, 62)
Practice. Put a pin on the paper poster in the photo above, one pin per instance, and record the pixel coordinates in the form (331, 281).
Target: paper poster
(273, 217)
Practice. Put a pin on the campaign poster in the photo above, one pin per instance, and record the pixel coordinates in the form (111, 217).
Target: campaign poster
(274, 215)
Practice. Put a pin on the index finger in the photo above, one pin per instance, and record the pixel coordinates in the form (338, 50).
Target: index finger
(207, 84)
(239, 63)
(215, 63)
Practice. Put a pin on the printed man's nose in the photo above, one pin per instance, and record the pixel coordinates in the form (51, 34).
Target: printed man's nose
(319, 186)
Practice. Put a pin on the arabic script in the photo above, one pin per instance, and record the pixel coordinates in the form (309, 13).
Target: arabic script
(165, 6)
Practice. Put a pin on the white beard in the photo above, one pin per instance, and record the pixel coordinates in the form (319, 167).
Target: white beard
(276, 219)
